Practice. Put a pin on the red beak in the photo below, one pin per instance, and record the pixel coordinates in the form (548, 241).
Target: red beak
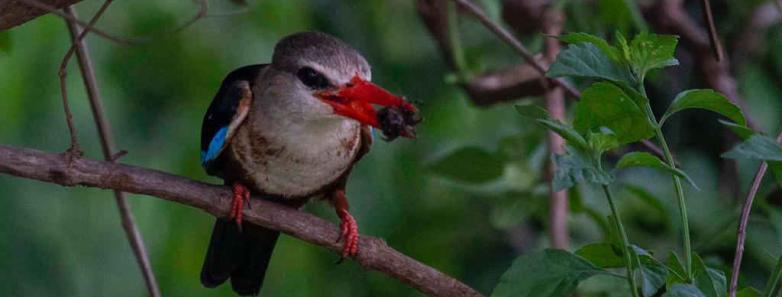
(355, 99)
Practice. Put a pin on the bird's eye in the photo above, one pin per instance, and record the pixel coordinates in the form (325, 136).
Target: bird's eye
(312, 78)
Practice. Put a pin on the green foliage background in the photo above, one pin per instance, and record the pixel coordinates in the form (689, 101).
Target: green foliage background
(58, 241)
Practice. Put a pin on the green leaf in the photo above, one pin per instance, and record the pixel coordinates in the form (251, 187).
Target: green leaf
(548, 273)
(579, 37)
(640, 100)
(606, 105)
(650, 51)
(541, 116)
(621, 14)
(742, 131)
(710, 281)
(676, 273)
(576, 167)
(567, 133)
(644, 159)
(460, 165)
(748, 292)
(603, 254)
(757, 147)
(588, 61)
(708, 100)
(532, 111)
(683, 290)
(602, 141)
(652, 274)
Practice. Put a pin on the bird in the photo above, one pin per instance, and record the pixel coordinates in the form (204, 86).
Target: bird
(288, 131)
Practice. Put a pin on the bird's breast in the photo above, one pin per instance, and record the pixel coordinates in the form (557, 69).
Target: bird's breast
(295, 161)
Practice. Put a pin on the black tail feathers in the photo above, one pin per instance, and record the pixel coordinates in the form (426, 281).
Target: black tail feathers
(242, 256)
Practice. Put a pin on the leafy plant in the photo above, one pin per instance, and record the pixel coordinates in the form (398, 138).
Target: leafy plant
(615, 111)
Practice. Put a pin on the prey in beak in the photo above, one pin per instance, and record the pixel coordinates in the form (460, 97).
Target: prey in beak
(355, 99)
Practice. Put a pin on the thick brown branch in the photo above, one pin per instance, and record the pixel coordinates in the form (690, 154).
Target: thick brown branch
(14, 12)
(487, 88)
(373, 253)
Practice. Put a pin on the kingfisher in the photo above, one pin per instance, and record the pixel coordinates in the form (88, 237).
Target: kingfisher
(289, 131)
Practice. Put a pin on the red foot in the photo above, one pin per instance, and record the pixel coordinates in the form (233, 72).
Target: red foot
(240, 197)
(348, 226)
(349, 233)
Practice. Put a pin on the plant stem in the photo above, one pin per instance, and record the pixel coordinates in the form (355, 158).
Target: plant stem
(772, 282)
(625, 241)
(677, 183)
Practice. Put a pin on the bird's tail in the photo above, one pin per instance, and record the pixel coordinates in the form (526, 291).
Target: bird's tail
(242, 256)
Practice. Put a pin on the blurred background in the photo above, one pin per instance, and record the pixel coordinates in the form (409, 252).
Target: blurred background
(466, 197)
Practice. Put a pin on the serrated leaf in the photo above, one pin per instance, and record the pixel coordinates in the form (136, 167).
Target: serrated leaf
(576, 167)
(548, 273)
(588, 61)
(462, 165)
(683, 290)
(603, 255)
(650, 51)
(710, 281)
(705, 99)
(579, 37)
(606, 105)
(757, 147)
(644, 159)
(742, 131)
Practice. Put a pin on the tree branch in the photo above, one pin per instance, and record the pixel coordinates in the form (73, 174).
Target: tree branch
(487, 88)
(741, 233)
(107, 141)
(16, 12)
(555, 104)
(374, 253)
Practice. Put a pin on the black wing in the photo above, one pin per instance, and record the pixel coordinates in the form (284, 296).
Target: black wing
(223, 113)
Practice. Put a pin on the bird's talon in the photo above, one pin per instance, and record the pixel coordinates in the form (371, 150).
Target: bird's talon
(241, 195)
(349, 232)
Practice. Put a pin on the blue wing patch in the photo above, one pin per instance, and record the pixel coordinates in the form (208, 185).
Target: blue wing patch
(215, 146)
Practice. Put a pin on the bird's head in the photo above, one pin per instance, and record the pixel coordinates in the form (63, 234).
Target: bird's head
(325, 77)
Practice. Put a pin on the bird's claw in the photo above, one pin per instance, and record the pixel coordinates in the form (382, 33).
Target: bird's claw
(348, 232)
(241, 196)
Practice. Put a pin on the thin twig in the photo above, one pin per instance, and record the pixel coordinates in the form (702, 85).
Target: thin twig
(373, 253)
(203, 9)
(508, 38)
(555, 104)
(107, 143)
(714, 38)
(54, 10)
(741, 234)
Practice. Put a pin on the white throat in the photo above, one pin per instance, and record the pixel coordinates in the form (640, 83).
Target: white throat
(296, 149)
